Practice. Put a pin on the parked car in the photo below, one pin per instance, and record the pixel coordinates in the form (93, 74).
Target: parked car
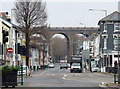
(24, 71)
(51, 65)
(95, 69)
(63, 65)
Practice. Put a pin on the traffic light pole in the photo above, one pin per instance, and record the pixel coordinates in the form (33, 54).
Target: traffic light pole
(16, 56)
(4, 54)
(5, 39)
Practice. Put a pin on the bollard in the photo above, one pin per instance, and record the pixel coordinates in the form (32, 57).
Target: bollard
(115, 72)
(21, 74)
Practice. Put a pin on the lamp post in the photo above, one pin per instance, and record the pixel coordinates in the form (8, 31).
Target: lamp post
(105, 11)
(84, 28)
(99, 10)
(85, 58)
(85, 33)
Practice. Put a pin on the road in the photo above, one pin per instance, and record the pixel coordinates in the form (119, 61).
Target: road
(56, 77)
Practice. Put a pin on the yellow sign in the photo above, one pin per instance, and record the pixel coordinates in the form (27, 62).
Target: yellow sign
(23, 57)
(15, 63)
(23, 42)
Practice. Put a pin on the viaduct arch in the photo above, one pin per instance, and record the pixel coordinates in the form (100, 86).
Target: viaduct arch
(69, 33)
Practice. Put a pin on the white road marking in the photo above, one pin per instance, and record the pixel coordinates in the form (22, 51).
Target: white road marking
(65, 75)
(61, 70)
(64, 78)
(44, 72)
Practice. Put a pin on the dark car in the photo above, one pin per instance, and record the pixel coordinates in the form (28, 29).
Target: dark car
(63, 65)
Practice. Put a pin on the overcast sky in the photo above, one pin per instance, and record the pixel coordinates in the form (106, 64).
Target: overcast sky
(70, 13)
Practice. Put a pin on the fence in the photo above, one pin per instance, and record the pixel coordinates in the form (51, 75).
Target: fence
(20, 76)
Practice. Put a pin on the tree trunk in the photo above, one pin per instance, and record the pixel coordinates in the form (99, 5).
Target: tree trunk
(27, 49)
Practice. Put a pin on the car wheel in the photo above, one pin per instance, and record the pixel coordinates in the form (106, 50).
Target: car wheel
(91, 71)
(71, 71)
(80, 71)
(6, 86)
(13, 86)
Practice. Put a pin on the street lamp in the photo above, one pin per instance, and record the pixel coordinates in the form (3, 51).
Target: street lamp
(85, 33)
(85, 58)
(105, 23)
(99, 10)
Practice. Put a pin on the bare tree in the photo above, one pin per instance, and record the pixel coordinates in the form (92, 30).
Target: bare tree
(30, 14)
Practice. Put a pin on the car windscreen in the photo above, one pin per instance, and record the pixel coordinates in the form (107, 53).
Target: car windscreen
(76, 64)
(51, 64)
(63, 64)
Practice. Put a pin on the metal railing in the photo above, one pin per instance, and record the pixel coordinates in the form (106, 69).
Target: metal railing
(20, 76)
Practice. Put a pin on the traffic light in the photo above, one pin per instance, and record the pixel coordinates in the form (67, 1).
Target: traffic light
(21, 49)
(5, 38)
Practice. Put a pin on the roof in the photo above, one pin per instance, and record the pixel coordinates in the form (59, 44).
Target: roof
(113, 17)
(9, 24)
(6, 22)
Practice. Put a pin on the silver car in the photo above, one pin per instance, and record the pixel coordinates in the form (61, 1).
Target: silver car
(51, 65)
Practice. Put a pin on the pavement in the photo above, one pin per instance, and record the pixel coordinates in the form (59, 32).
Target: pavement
(109, 85)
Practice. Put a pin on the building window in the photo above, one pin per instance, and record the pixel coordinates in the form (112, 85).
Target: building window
(116, 43)
(105, 42)
(105, 27)
(11, 33)
(116, 27)
(18, 34)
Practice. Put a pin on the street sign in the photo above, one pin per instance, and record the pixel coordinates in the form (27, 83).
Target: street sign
(9, 50)
(85, 54)
(23, 57)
